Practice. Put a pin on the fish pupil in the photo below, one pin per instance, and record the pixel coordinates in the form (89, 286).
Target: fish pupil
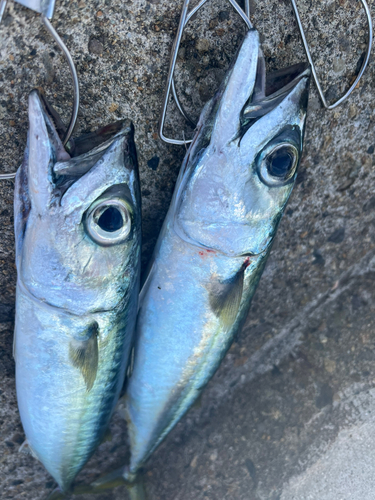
(111, 220)
(280, 162)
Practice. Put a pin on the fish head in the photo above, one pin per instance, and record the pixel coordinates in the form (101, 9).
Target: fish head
(77, 216)
(242, 165)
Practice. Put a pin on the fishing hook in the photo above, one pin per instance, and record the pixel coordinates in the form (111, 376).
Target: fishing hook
(313, 70)
(245, 14)
(46, 10)
(184, 19)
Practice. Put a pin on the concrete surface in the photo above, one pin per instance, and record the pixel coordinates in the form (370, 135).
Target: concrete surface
(290, 413)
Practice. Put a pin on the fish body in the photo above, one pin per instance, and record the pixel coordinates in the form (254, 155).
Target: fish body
(78, 239)
(231, 192)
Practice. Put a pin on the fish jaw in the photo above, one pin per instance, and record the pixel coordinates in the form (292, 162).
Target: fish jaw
(77, 297)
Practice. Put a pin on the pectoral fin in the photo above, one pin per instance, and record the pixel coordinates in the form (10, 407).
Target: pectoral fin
(84, 355)
(225, 298)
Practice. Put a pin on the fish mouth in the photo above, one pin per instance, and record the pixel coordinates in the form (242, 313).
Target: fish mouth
(286, 77)
(80, 154)
(86, 142)
(271, 89)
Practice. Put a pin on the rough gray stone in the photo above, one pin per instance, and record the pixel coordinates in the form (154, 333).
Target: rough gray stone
(95, 47)
(301, 375)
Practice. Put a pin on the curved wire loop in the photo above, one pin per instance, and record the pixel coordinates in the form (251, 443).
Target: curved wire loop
(184, 19)
(186, 16)
(46, 10)
(73, 71)
(309, 57)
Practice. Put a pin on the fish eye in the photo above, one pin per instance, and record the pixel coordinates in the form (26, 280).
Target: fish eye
(279, 165)
(109, 222)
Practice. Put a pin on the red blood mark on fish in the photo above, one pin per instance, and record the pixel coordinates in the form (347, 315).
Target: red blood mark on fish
(207, 250)
(246, 263)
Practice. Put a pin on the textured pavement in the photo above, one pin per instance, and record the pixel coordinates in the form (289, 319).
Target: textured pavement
(290, 413)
